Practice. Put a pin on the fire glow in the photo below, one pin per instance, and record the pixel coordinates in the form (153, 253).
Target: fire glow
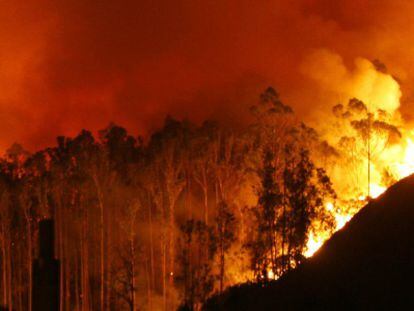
(373, 174)
(401, 162)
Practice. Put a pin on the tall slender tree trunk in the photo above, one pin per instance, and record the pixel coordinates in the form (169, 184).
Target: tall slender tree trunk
(4, 266)
(186, 273)
(82, 271)
(76, 281)
(102, 241)
(221, 267)
(164, 272)
(149, 290)
(59, 225)
(29, 266)
(216, 194)
(9, 277)
(203, 183)
(66, 266)
(171, 268)
(190, 272)
(152, 281)
(205, 193)
(283, 238)
(102, 244)
(19, 277)
(108, 264)
(289, 252)
(84, 263)
(133, 270)
(163, 250)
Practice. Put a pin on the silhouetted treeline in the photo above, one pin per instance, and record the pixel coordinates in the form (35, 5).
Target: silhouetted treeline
(165, 222)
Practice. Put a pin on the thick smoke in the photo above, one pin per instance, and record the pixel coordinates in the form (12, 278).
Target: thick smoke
(377, 89)
(67, 65)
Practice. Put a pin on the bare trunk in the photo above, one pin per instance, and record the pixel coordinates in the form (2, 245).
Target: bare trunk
(86, 275)
(66, 268)
(4, 266)
(82, 272)
(221, 267)
(133, 281)
(59, 225)
(108, 265)
(102, 245)
(203, 183)
(217, 194)
(19, 272)
(171, 252)
(190, 272)
(9, 277)
(19, 280)
(163, 244)
(205, 192)
(164, 273)
(283, 238)
(188, 205)
(84, 264)
(151, 250)
(221, 188)
(76, 281)
(149, 291)
(29, 266)
(274, 251)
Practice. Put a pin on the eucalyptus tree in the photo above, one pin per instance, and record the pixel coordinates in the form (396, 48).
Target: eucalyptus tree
(368, 134)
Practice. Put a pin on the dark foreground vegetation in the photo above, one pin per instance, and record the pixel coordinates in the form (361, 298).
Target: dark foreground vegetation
(365, 266)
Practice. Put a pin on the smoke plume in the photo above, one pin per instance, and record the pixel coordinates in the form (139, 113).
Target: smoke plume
(67, 65)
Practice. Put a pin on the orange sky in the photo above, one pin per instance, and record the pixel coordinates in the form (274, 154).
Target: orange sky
(72, 64)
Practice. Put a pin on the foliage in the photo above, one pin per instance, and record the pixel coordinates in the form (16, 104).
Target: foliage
(153, 224)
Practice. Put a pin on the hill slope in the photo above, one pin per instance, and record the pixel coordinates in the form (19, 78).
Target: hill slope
(367, 265)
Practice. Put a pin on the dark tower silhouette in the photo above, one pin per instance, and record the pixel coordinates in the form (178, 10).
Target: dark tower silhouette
(45, 291)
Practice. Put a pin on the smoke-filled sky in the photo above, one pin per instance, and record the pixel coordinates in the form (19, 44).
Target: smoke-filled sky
(72, 64)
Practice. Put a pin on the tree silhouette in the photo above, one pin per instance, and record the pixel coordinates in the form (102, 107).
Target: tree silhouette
(225, 231)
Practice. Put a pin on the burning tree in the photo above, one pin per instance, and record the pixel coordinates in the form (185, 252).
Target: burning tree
(369, 133)
(306, 188)
(264, 249)
(152, 224)
(291, 193)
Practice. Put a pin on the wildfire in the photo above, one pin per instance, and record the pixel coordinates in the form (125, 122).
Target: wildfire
(314, 243)
(376, 190)
(406, 167)
(400, 160)
(317, 238)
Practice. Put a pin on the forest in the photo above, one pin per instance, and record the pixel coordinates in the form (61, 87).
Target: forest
(167, 221)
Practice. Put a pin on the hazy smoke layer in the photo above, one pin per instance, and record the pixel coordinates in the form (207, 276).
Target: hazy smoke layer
(67, 65)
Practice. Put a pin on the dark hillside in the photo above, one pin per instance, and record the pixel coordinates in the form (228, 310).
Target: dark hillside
(367, 265)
